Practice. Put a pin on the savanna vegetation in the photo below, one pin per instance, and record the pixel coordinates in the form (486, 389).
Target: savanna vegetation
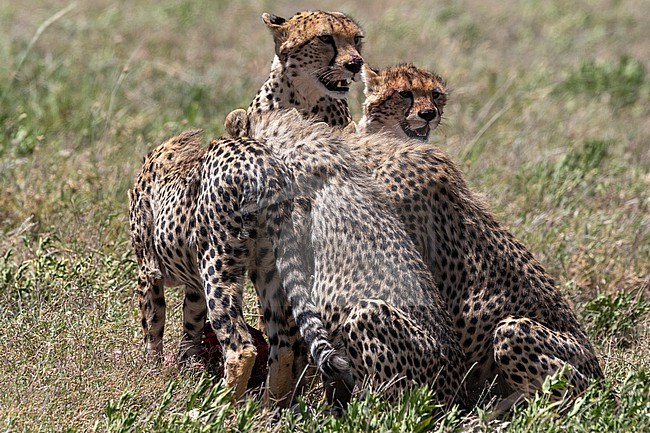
(548, 115)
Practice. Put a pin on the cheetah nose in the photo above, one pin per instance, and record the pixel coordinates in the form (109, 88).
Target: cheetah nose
(354, 65)
(428, 114)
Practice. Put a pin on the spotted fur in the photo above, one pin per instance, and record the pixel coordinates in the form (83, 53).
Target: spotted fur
(317, 53)
(404, 100)
(361, 296)
(512, 322)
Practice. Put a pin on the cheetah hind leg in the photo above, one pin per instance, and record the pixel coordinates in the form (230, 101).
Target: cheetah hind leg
(151, 294)
(528, 352)
(194, 316)
(273, 302)
(231, 330)
(150, 289)
(388, 348)
(222, 274)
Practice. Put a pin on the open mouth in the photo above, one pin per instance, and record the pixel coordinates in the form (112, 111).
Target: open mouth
(421, 133)
(342, 86)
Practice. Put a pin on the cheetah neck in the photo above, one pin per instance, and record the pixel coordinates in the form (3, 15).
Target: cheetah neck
(284, 91)
(366, 125)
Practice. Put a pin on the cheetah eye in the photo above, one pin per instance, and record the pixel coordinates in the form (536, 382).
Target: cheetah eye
(407, 94)
(436, 95)
(327, 39)
(358, 39)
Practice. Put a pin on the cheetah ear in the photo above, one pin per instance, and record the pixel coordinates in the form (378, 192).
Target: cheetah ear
(351, 128)
(371, 79)
(236, 123)
(273, 20)
(276, 25)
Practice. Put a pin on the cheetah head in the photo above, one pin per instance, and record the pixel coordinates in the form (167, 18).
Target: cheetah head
(320, 51)
(406, 100)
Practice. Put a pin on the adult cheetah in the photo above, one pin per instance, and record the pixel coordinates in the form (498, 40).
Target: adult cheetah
(360, 293)
(162, 213)
(317, 53)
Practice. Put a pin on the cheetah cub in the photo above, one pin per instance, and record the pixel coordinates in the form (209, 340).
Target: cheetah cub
(360, 294)
(512, 321)
(514, 325)
(404, 100)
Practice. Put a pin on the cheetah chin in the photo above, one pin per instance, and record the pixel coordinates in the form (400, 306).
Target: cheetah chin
(421, 133)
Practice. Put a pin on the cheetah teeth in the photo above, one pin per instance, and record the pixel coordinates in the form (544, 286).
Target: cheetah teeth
(421, 133)
(338, 86)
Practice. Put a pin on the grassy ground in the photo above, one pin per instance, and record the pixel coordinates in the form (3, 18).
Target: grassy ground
(549, 115)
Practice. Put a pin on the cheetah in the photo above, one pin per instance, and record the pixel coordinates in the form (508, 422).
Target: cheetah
(317, 53)
(404, 100)
(361, 295)
(513, 324)
(162, 213)
(162, 204)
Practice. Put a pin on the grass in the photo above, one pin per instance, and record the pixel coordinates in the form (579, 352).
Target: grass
(548, 116)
